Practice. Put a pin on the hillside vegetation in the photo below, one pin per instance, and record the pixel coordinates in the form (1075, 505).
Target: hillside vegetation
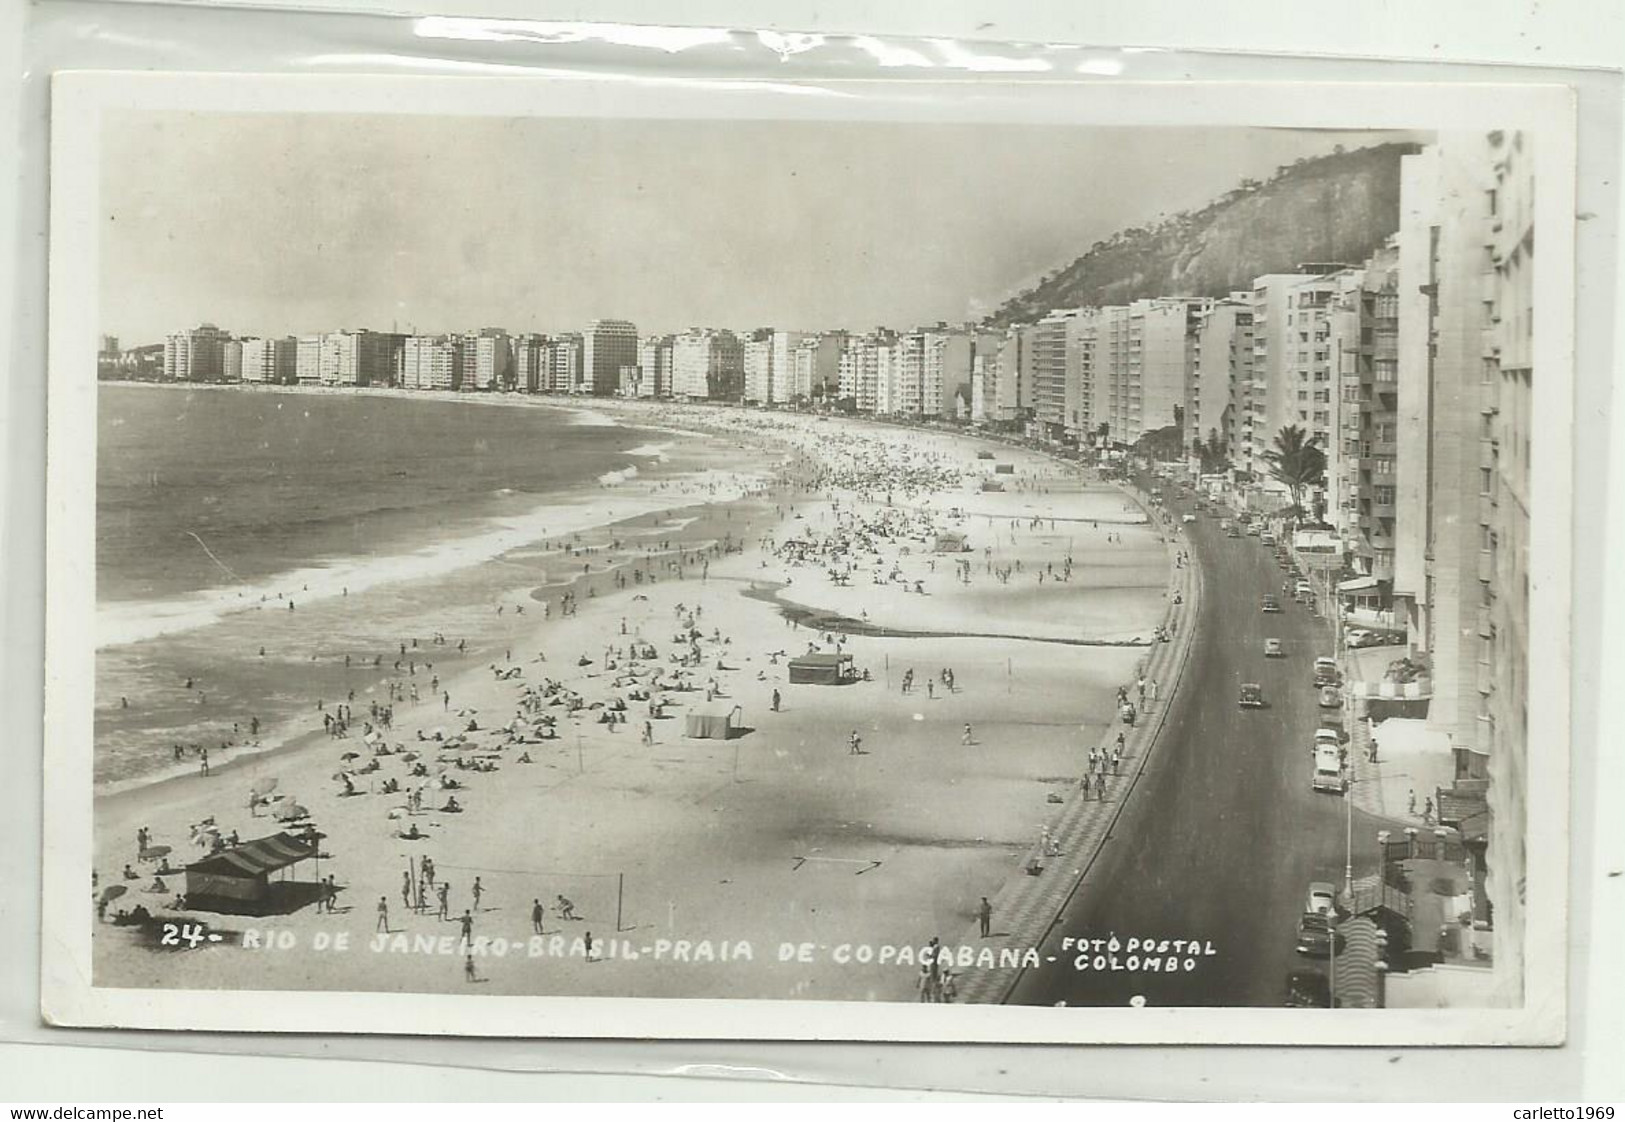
(1334, 208)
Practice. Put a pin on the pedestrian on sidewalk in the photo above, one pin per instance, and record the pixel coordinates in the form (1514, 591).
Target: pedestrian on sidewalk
(1100, 786)
(1117, 759)
(984, 916)
(1121, 741)
(1412, 810)
(1427, 813)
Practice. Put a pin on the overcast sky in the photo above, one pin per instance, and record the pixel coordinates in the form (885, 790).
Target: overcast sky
(281, 223)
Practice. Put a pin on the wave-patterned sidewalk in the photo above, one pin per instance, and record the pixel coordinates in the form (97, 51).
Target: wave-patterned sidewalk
(1027, 907)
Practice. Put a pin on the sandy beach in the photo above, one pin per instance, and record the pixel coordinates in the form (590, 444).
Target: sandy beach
(692, 862)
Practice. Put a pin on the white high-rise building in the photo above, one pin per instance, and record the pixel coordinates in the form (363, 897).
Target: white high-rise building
(707, 365)
(606, 346)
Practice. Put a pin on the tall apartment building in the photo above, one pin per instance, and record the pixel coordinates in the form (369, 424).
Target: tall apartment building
(1166, 330)
(308, 360)
(1465, 306)
(487, 360)
(1141, 365)
(1280, 332)
(529, 362)
(859, 369)
(1222, 376)
(888, 376)
(707, 365)
(231, 361)
(432, 362)
(493, 360)
(758, 349)
(358, 358)
(1049, 336)
(270, 361)
(1363, 458)
(654, 362)
(1509, 376)
(1083, 372)
(816, 365)
(197, 355)
(1013, 394)
(947, 371)
(606, 346)
(564, 363)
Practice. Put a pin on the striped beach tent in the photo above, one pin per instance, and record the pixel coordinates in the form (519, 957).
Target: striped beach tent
(1420, 689)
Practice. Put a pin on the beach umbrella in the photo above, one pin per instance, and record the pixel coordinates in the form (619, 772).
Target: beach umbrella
(262, 787)
(351, 756)
(290, 811)
(408, 757)
(112, 892)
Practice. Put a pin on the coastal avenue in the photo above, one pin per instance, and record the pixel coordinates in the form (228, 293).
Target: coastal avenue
(1222, 835)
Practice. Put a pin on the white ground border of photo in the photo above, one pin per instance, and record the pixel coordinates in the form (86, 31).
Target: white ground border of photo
(79, 101)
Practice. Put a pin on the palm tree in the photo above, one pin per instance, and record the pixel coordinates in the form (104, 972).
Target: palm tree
(1297, 461)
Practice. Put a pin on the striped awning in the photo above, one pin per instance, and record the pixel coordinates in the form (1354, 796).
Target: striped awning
(1357, 984)
(255, 858)
(1419, 690)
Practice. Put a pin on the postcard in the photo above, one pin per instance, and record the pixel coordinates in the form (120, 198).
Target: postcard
(980, 561)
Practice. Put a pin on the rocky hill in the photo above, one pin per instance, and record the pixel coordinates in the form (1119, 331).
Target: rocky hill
(1335, 208)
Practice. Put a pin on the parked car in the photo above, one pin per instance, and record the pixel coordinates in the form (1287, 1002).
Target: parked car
(1322, 898)
(1266, 538)
(1314, 934)
(1187, 518)
(1330, 697)
(1327, 773)
(1252, 695)
(1328, 737)
(1308, 989)
(1253, 531)
(1273, 649)
(1269, 604)
(1303, 588)
(1326, 672)
(1232, 532)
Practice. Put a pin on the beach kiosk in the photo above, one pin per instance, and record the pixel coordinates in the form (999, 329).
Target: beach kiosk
(239, 879)
(1004, 469)
(992, 485)
(951, 541)
(711, 724)
(821, 670)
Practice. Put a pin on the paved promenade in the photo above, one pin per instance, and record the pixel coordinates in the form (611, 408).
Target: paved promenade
(1026, 908)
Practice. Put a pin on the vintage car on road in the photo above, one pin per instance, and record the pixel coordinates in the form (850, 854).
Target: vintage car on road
(1269, 604)
(1273, 649)
(1330, 698)
(1322, 898)
(1326, 672)
(1315, 935)
(1252, 695)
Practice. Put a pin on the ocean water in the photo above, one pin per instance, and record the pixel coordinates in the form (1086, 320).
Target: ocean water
(382, 519)
(209, 488)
